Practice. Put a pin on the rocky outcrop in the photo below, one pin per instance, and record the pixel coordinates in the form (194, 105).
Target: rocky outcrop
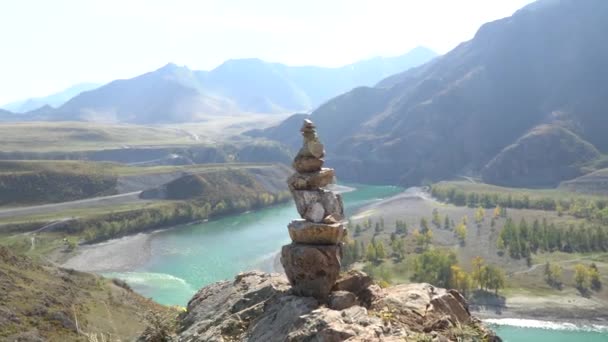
(258, 306)
(312, 261)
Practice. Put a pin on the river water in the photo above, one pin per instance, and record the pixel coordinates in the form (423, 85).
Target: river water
(188, 257)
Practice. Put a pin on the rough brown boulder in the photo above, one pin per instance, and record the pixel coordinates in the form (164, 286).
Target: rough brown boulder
(311, 269)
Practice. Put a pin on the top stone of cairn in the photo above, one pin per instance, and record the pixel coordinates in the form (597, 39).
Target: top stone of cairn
(310, 156)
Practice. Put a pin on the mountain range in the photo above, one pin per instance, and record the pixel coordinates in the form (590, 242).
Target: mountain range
(53, 100)
(178, 94)
(523, 103)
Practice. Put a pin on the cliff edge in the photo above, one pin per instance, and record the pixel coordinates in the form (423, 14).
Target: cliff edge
(258, 306)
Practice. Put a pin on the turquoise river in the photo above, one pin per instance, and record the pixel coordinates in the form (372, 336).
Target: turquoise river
(187, 257)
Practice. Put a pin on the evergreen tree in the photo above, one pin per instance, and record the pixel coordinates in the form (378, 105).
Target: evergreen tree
(357, 230)
(370, 254)
(399, 249)
(435, 218)
(424, 225)
(500, 245)
(362, 250)
(380, 251)
(594, 277)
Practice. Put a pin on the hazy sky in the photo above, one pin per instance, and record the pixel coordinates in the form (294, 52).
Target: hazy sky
(48, 45)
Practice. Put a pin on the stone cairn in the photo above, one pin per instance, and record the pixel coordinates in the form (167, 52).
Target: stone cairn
(312, 260)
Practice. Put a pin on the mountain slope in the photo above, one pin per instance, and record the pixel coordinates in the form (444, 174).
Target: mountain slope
(542, 157)
(45, 303)
(178, 94)
(169, 94)
(53, 100)
(5, 115)
(595, 183)
(453, 115)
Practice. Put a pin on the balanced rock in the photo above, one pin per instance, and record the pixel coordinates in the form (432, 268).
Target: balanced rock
(310, 156)
(312, 270)
(311, 180)
(312, 146)
(302, 231)
(330, 202)
(307, 164)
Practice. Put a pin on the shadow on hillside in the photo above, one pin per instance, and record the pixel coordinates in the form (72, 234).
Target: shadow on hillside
(481, 300)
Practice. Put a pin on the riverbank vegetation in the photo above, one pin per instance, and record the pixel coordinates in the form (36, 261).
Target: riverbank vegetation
(594, 208)
(442, 243)
(190, 198)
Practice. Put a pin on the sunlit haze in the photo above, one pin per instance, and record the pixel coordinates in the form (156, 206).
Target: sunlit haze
(50, 45)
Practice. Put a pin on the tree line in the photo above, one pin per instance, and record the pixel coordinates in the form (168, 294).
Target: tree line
(591, 208)
(522, 239)
(106, 226)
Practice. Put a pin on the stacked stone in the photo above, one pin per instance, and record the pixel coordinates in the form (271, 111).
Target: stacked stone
(312, 260)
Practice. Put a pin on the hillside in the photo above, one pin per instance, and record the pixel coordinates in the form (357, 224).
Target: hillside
(455, 114)
(41, 302)
(6, 115)
(26, 186)
(24, 182)
(177, 94)
(595, 183)
(542, 157)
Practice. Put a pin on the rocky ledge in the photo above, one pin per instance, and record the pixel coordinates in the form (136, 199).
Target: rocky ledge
(258, 306)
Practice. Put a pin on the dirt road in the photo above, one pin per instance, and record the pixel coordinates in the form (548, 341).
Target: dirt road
(96, 202)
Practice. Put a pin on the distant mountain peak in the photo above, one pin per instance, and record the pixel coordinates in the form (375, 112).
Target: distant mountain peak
(172, 68)
(174, 93)
(55, 99)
